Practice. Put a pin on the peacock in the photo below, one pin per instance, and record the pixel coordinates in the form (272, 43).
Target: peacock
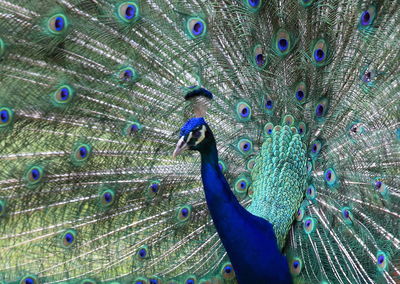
(293, 106)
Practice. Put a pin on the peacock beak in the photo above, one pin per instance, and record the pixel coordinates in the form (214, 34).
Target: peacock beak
(180, 147)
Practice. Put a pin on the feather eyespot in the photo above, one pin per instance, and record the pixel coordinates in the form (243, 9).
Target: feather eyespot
(190, 280)
(300, 214)
(68, 238)
(128, 12)
(288, 120)
(382, 261)
(311, 192)
(81, 154)
(63, 95)
(196, 27)
(243, 111)
(222, 166)
(57, 24)
(368, 76)
(34, 175)
(302, 128)
(252, 5)
(88, 281)
(250, 164)
(321, 109)
(153, 188)
(227, 271)
(320, 53)
(309, 225)
(315, 148)
(259, 58)
(367, 17)
(347, 215)
(283, 43)
(6, 116)
(380, 186)
(300, 93)
(132, 128)
(142, 253)
(107, 198)
(268, 128)
(296, 266)
(330, 177)
(184, 213)
(245, 146)
(241, 185)
(128, 74)
(140, 280)
(269, 104)
(30, 279)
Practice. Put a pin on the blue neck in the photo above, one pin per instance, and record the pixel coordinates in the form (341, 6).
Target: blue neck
(249, 240)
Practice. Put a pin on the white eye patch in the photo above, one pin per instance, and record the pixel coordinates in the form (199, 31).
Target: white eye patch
(200, 138)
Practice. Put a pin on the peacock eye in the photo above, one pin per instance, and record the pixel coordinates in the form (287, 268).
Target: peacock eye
(288, 120)
(142, 252)
(259, 58)
(128, 12)
(315, 148)
(311, 192)
(241, 185)
(196, 27)
(301, 92)
(302, 128)
(80, 154)
(6, 116)
(63, 95)
(243, 111)
(309, 225)
(184, 213)
(320, 52)
(245, 146)
(330, 177)
(68, 238)
(132, 128)
(321, 109)
(381, 261)
(269, 104)
(190, 281)
(128, 74)
(254, 3)
(295, 266)
(367, 17)
(29, 280)
(300, 214)
(282, 42)
(34, 175)
(227, 271)
(368, 76)
(268, 128)
(107, 197)
(57, 24)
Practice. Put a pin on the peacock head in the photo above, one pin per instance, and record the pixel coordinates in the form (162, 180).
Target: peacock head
(195, 135)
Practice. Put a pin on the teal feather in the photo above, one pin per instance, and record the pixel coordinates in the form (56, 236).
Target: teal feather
(92, 100)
